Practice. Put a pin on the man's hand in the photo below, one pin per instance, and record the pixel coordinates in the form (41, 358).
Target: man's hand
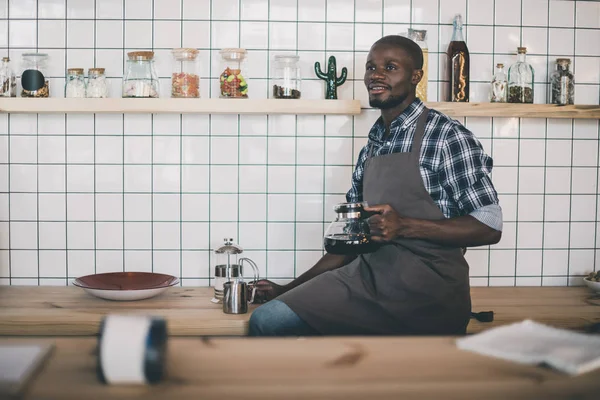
(266, 291)
(387, 225)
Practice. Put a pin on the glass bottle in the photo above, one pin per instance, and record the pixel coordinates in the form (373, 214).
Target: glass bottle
(287, 77)
(33, 77)
(232, 81)
(140, 79)
(75, 85)
(97, 86)
(562, 83)
(420, 37)
(499, 85)
(520, 79)
(8, 79)
(185, 80)
(458, 64)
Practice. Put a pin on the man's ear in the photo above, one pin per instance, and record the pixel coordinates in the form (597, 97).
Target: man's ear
(417, 76)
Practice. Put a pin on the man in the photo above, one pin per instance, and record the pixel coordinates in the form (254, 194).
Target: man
(427, 178)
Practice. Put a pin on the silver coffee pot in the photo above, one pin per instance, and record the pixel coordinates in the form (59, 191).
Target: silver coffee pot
(230, 267)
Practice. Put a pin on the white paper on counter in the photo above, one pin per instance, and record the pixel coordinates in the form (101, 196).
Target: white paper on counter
(529, 342)
(18, 362)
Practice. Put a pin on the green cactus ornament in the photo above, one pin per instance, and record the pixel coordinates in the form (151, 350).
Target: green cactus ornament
(330, 77)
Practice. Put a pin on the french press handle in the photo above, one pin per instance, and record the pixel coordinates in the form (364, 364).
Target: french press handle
(255, 273)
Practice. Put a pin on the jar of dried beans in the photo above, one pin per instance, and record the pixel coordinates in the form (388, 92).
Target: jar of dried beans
(232, 81)
(185, 81)
(33, 79)
(287, 77)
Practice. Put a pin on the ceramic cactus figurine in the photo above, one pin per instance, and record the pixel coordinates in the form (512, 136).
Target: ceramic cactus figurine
(330, 77)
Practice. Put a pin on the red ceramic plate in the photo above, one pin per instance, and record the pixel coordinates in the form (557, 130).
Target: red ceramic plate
(125, 281)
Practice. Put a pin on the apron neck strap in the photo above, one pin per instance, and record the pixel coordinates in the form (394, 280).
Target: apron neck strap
(420, 132)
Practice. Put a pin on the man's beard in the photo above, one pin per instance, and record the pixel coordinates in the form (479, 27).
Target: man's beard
(391, 102)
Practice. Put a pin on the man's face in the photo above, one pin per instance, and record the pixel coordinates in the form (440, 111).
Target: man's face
(389, 76)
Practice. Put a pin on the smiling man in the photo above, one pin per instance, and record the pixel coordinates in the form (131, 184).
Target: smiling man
(427, 178)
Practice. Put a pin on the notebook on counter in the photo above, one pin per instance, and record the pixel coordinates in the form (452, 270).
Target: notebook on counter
(18, 364)
(529, 342)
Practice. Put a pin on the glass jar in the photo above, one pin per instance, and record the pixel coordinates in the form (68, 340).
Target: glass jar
(420, 37)
(499, 85)
(185, 81)
(233, 83)
(8, 79)
(287, 77)
(33, 78)
(140, 79)
(97, 85)
(75, 85)
(520, 79)
(562, 83)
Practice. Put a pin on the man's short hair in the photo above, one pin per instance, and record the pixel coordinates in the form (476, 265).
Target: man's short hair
(411, 48)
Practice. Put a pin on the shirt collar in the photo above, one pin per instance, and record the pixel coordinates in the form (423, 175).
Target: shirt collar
(402, 121)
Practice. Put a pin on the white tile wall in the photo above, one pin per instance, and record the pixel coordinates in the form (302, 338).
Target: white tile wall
(90, 193)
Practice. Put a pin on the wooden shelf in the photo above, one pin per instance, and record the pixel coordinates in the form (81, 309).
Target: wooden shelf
(274, 106)
(516, 110)
(179, 106)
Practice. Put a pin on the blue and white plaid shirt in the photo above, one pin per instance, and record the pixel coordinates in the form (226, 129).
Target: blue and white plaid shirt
(453, 164)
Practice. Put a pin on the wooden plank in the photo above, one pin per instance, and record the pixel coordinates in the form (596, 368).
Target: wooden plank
(27, 310)
(578, 111)
(179, 106)
(313, 368)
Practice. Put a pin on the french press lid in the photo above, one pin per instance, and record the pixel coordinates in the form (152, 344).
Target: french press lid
(229, 248)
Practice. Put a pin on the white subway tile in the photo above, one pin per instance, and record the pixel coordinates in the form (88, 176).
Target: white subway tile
(557, 208)
(166, 178)
(137, 150)
(587, 70)
(281, 179)
(584, 153)
(529, 235)
(167, 34)
(194, 207)
(254, 35)
(51, 178)
(340, 11)
(369, 11)
(308, 10)
(224, 207)
(337, 179)
(51, 33)
(80, 235)
(338, 151)
(80, 124)
(252, 207)
(4, 200)
(22, 9)
(309, 236)
(137, 207)
(480, 39)
(109, 235)
(166, 150)
(558, 153)
(23, 149)
(281, 207)
(531, 180)
(137, 261)
(532, 152)
(109, 34)
(282, 125)
(559, 128)
(23, 235)
(225, 9)
(80, 9)
(311, 36)
(223, 150)
(584, 180)
(281, 150)
(306, 260)
(531, 208)
(581, 262)
(109, 178)
(80, 178)
(225, 34)
(195, 263)
(80, 263)
(535, 12)
(196, 9)
(166, 207)
(109, 149)
(556, 235)
(280, 236)
(109, 207)
(53, 264)
(23, 178)
(24, 207)
(309, 208)
(365, 35)
(52, 207)
(196, 34)
(253, 150)
(536, 40)
(281, 263)
(558, 180)
(224, 125)
(583, 208)
(194, 178)
(138, 34)
(508, 12)
(502, 262)
(562, 13)
(425, 12)
(138, 9)
(22, 33)
(582, 235)
(587, 14)
(585, 129)
(195, 149)
(166, 236)
(109, 261)
(137, 235)
(110, 9)
(561, 41)
(283, 10)
(507, 40)
(253, 235)
(167, 9)
(309, 179)
(529, 262)
(253, 179)
(194, 236)
(586, 94)
(80, 33)
(505, 151)
(24, 264)
(338, 37)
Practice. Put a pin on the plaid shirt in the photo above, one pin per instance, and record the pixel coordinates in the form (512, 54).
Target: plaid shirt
(453, 164)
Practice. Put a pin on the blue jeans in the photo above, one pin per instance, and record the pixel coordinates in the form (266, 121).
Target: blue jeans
(275, 318)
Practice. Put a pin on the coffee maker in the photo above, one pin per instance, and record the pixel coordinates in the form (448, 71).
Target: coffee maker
(230, 267)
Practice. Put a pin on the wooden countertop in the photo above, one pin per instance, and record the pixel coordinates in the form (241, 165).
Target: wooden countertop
(61, 311)
(311, 368)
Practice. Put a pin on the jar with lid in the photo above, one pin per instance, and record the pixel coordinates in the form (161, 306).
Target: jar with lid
(33, 78)
(562, 83)
(520, 79)
(499, 88)
(97, 86)
(140, 79)
(287, 77)
(8, 79)
(75, 84)
(233, 81)
(185, 80)
(420, 37)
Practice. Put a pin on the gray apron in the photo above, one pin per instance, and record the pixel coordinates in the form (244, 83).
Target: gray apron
(405, 287)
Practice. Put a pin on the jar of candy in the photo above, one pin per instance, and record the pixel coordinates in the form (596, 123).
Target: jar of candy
(185, 81)
(287, 77)
(8, 79)
(33, 78)
(562, 83)
(232, 81)
(140, 79)
(97, 86)
(75, 85)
